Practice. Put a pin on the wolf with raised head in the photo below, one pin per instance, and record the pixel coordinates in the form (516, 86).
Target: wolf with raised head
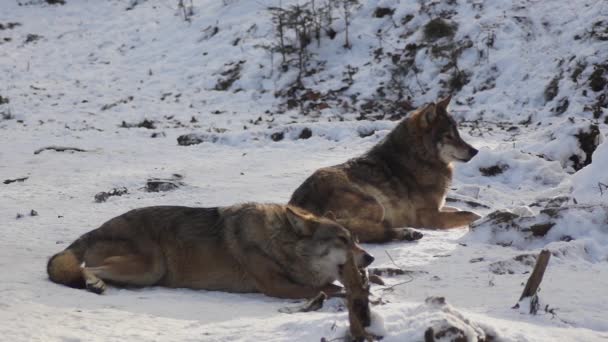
(401, 182)
(281, 251)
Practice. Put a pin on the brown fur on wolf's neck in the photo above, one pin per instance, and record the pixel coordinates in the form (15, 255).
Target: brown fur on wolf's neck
(401, 182)
(401, 155)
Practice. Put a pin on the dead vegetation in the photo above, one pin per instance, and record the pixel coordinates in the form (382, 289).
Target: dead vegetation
(114, 104)
(297, 27)
(493, 170)
(439, 28)
(230, 75)
(597, 79)
(164, 184)
(588, 141)
(104, 195)
(9, 25)
(145, 123)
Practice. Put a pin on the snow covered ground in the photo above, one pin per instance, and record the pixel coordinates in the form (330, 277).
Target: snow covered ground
(77, 74)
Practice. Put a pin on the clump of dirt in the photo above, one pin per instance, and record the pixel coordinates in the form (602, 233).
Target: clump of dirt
(599, 30)
(103, 196)
(578, 70)
(381, 12)
(277, 136)
(541, 229)
(305, 134)
(158, 135)
(195, 139)
(562, 106)
(121, 101)
(230, 75)
(520, 264)
(9, 26)
(4, 100)
(30, 38)
(552, 89)
(406, 19)
(148, 124)
(438, 28)
(164, 184)
(494, 170)
(458, 79)
(588, 140)
(597, 80)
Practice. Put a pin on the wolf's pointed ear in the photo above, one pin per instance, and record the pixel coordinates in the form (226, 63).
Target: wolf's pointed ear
(330, 215)
(300, 221)
(427, 115)
(443, 103)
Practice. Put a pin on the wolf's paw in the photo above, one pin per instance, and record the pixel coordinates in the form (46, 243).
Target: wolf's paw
(96, 286)
(408, 234)
(470, 216)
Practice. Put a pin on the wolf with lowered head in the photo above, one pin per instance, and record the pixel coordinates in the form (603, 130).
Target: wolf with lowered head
(281, 251)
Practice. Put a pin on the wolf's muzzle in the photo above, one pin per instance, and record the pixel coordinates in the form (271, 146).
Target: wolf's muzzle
(473, 152)
(367, 260)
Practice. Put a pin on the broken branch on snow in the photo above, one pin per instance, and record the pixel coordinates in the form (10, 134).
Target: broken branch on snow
(9, 181)
(59, 149)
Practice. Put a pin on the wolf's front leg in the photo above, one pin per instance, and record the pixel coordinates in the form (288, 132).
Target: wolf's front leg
(432, 218)
(271, 280)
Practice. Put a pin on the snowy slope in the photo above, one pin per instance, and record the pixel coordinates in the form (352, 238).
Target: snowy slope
(77, 74)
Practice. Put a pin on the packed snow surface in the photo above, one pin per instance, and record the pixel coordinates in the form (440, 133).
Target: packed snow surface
(124, 85)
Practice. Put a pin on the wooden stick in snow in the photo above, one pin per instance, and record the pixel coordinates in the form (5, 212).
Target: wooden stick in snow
(357, 300)
(535, 278)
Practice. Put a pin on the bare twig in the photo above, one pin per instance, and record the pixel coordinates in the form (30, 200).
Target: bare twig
(9, 181)
(392, 287)
(59, 149)
(392, 260)
(602, 186)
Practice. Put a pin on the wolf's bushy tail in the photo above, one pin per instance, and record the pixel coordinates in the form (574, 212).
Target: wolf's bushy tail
(65, 266)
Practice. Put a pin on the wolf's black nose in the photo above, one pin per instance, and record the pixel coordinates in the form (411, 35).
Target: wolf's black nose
(368, 259)
(473, 152)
